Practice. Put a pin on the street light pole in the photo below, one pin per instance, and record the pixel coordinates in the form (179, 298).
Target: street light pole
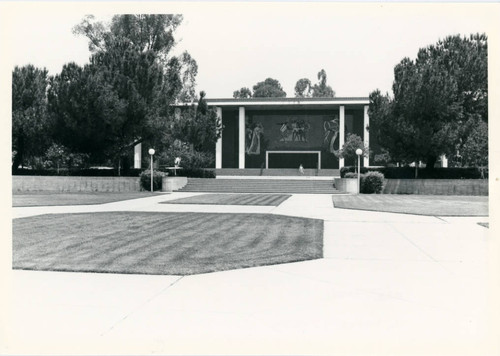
(151, 153)
(359, 152)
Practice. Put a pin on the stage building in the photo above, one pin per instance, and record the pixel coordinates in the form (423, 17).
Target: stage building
(286, 132)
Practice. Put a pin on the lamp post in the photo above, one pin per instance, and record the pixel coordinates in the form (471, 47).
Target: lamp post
(359, 152)
(151, 153)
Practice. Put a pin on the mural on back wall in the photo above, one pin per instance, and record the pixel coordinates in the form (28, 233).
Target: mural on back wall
(331, 131)
(254, 134)
(294, 130)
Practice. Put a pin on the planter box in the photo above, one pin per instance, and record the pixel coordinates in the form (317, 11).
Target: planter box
(169, 184)
(75, 184)
(347, 185)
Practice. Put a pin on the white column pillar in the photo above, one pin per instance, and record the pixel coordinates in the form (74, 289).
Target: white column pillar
(444, 161)
(138, 156)
(366, 137)
(241, 138)
(341, 132)
(218, 144)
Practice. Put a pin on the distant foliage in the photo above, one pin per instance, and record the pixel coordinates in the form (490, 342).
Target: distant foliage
(305, 89)
(269, 88)
(243, 93)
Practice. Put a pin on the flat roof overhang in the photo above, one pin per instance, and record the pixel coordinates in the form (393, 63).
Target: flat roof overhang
(286, 103)
(289, 103)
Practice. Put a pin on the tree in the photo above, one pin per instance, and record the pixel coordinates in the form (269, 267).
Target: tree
(474, 152)
(303, 88)
(127, 89)
(269, 88)
(352, 143)
(437, 97)
(199, 126)
(243, 93)
(30, 121)
(321, 90)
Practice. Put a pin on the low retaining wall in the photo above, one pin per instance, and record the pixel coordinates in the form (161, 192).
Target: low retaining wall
(436, 186)
(169, 184)
(75, 184)
(346, 185)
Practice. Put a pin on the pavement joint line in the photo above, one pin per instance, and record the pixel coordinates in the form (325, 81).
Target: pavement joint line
(141, 305)
(391, 225)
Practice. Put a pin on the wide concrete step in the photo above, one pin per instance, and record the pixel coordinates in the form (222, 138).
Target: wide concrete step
(259, 186)
(273, 172)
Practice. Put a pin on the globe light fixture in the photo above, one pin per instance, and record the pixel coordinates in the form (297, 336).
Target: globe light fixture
(359, 152)
(151, 153)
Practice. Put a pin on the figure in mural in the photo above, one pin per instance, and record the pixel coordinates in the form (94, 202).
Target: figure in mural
(254, 132)
(331, 132)
(294, 131)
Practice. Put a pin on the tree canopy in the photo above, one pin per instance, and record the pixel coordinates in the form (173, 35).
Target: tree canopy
(269, 88)
(438, 98)
(125, 94)
(199, 126)
(305, 89)
(30, 120)
(243, 93)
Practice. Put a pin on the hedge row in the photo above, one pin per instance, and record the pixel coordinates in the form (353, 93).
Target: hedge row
(409, 172)
(191, 173)
(77, 172)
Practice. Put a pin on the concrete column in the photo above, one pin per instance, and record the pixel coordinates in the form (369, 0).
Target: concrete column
(218, 144)
(138, 156)
(241, 138)
(444, 161)
(366, 138)
(341, 132)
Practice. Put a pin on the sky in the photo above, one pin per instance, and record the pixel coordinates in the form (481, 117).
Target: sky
(237, 46)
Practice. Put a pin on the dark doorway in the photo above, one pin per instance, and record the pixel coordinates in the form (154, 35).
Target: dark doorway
(293, 160)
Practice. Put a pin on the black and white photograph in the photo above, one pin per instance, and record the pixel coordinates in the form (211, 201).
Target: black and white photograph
(257, 178)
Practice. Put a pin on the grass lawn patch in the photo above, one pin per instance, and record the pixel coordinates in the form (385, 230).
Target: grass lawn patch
(233, 199)
(434, 205)
(55, 198)
(162, 243)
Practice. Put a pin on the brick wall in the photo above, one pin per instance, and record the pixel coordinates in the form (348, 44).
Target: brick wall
(75, 184)
(436, 186)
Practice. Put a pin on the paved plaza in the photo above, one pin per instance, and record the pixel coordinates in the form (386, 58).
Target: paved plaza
(388, 284)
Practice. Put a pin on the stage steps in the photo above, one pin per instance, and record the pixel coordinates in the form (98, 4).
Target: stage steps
(227, 172)
(255, 185)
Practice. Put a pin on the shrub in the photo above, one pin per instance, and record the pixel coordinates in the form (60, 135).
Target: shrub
(351, 175)
(145, 179)
(372, 182)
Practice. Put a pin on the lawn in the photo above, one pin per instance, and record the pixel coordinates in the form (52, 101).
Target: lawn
(56, 198)
(233, 199)
(162, 243)
(434, 205)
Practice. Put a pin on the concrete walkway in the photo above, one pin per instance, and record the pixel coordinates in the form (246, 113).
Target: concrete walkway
(388, 284)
